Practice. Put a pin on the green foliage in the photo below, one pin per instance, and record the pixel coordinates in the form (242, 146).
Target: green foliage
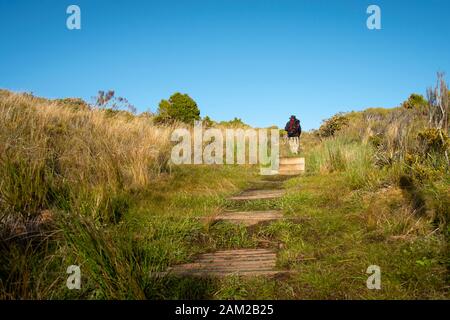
(333, 125)
(207, 122)
(27, 188)
(376, 140)
(73, 103)
(179, 107)
(235, 123)
(415, 101)
(126, 115)
(111, 261)
(343, 215)
(434, 140)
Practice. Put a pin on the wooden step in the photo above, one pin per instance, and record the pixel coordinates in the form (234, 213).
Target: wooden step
(259, 194)
(242, 262)
(290, 161)
(291, 166)
(249, 218)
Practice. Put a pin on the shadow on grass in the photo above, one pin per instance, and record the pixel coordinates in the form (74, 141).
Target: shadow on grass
(413, 193)
(181, 288)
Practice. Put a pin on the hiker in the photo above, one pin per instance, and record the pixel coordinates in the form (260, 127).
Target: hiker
(293, 128)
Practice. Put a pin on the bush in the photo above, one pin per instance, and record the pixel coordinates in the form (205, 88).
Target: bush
(433, 140)
(333, 125)
(415, 101)
(73, 103)
(179, 107)
(235, 123)
(207, 122)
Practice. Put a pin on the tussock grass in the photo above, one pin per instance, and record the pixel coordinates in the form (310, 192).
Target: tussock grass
(89, 187)
(95, 188)
(53, 155)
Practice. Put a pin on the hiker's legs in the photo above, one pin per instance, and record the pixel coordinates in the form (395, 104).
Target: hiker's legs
(294, 144)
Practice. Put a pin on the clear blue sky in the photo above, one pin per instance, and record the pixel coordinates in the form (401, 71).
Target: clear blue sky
(259, 60)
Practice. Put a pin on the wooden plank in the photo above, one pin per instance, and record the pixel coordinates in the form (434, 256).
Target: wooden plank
(243, 262)
(249, 218)
(259, 194)
(291, 161)
(291, 166)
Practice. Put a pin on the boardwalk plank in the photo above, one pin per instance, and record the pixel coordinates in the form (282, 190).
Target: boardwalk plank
(249, 218)
(243, 262)
(259, 194)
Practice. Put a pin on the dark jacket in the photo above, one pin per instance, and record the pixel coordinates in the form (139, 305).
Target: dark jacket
(294, 129)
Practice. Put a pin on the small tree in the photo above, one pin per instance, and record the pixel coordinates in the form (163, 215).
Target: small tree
(179, 107)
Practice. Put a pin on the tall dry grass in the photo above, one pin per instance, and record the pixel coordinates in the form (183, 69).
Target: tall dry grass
(382, 148)
(52, 153)
(62, 163)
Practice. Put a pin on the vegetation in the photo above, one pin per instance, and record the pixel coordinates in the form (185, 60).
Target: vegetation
(95, 188)
(332, 125)
(179, 107)
(234, 123)
(415, 101)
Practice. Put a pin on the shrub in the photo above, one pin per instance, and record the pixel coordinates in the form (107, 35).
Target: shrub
(207, 122)
(235, 123)
(415, 101)
(179, 107)
(433, 140)
(333, 125)
(73, 103)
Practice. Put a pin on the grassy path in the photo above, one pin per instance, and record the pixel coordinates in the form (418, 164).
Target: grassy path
(241, 262)
(332, 235)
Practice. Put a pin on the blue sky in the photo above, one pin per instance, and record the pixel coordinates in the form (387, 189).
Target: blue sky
(259, 60)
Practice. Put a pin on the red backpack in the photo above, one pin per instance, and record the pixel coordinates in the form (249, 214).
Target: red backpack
(294, 125)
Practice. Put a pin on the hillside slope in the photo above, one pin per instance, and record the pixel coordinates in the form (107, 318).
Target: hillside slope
(95, 188)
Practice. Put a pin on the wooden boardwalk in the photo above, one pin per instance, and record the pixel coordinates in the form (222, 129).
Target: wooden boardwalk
(249, 218)
(244, 262)
(259, 194)
(241, 262)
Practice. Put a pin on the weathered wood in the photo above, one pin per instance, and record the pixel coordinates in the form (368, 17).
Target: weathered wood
(292, 161)
(259, 194)
(249, 218)
(291, 166)
(243, 262)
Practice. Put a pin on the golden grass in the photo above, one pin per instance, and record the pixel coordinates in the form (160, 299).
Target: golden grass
(46, 146)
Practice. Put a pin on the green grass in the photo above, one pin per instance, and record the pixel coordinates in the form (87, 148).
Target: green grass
(125, 214)
(331, 235)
